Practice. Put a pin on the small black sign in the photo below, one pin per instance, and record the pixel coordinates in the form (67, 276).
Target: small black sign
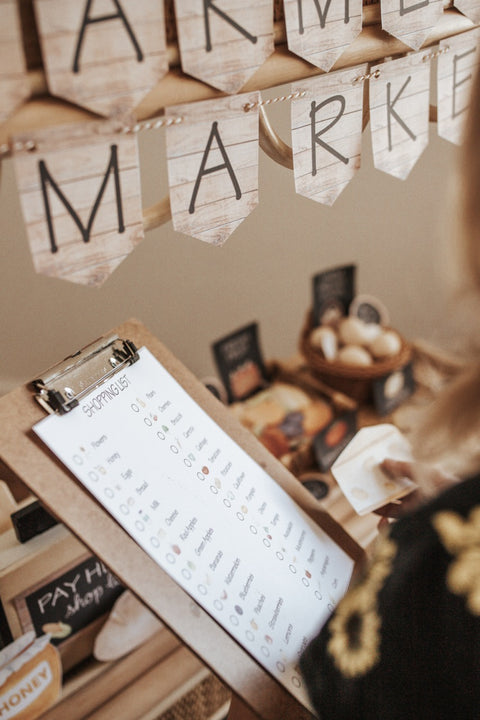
(393, 389)
(6, 636)
(333, 291)
(329, 442)
(240, 363)
(72, 600)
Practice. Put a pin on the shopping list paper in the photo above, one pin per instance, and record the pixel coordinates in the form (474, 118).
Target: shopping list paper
(205, 511)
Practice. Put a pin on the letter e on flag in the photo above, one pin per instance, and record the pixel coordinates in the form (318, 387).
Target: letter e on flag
(399, 113)
(456, 68)
(410, 20)
(212, 162)
(79, 190)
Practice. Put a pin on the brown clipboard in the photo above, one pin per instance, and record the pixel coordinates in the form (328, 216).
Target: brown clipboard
(64, 496)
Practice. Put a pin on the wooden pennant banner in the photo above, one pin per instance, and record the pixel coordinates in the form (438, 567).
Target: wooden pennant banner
(399, 113)
(469, 8)
(457, 65)
(212, 160)
(79, 188)
(14, 87)
(410, 20)
(223, 42)
(321, 34)
(327, 133)
(105, 55)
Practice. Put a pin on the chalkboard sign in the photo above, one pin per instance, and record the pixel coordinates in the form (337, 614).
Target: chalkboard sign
(69, 601)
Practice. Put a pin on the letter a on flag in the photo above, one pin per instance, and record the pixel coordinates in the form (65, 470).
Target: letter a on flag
(223, 42)
(105, 55)
(399, 113)
(79, 190)
(212, 162)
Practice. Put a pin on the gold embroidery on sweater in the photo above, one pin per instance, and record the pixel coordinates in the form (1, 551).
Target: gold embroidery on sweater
(461, 538)
(354, 642)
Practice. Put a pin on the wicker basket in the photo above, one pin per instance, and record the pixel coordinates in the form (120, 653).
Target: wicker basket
(355, 382)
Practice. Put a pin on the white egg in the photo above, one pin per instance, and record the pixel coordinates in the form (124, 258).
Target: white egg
(354, 355)
(388, 343)
(353, 331)
(324, 338)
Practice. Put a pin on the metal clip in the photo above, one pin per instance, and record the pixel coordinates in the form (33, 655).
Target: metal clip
(60, 388)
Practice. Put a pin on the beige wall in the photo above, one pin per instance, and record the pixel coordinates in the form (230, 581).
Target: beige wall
(190, 293)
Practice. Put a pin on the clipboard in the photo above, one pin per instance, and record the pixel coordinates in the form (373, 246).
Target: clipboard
(57, 488)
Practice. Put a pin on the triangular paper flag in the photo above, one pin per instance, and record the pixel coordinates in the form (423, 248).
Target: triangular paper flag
(105, 55)
(79, 188)
(212, 159)
(14, 87)
(320, 32)
(224, 43)
(410, 21)
(399, 113)
(327, 133)
(456, 68)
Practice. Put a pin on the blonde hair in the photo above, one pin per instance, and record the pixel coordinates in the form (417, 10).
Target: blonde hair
(451, 432)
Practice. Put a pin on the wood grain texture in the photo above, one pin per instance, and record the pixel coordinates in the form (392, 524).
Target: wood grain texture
(14, 83)
(322, 46)
(240, 41)
(413, 25)
(204, 196)
(120, 59)
(456, 69)
(78, 158)
(324, 168)
(470, 8)
(400, 128)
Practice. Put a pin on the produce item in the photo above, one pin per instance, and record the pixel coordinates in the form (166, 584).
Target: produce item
(283, 417)
(353, 331)
(325, 339)
(387, 344)
(354, 355)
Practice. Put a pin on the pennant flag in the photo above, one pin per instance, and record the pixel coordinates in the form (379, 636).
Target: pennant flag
(79, 188)
(469, 8)
(212, 160)
(223, 42)
(456, 67)
(104, 55)
(14, 87)
(321, 34)
(399, 113)
(410, 20)
(327, 133)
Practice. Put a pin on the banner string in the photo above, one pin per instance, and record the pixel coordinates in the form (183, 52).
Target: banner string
(159, 122)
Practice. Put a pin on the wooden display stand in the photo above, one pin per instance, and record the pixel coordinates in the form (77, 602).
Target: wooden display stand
(57, 489)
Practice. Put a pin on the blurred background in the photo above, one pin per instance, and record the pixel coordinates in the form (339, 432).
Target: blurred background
(190, 293)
